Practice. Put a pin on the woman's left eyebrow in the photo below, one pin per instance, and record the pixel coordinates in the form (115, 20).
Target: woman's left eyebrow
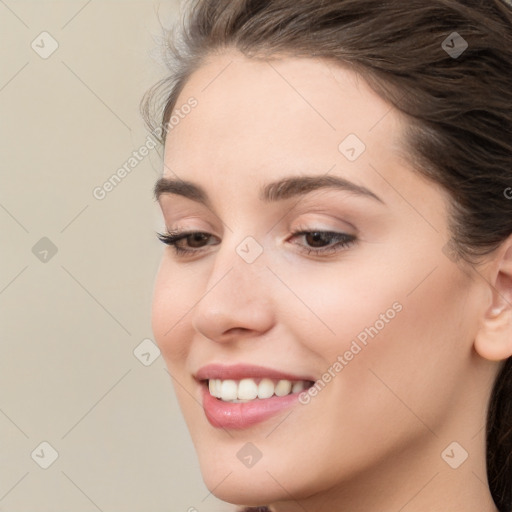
(285, 188)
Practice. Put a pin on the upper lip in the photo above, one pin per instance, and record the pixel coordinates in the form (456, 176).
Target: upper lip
(242, 371)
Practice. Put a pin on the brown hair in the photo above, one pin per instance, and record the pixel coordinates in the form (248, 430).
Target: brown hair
(458, 107)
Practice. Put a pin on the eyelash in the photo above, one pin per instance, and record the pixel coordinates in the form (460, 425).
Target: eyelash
(172, 238)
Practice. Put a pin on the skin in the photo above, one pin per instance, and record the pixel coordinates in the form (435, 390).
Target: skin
(372, 439)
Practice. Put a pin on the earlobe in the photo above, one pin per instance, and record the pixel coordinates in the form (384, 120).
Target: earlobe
(493, 340)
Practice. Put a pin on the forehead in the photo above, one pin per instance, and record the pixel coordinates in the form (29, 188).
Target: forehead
(257, 121)
(275, 106)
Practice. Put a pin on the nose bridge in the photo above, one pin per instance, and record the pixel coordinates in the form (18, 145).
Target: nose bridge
(236, 292)
(240, 270)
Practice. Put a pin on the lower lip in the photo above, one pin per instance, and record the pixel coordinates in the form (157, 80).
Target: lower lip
(242, 415)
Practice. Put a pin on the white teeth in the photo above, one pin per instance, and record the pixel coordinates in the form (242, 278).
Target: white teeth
(265, 388)
(228, 390)
(246, 390)
(212, 386)
(283, 388)
(215, 387)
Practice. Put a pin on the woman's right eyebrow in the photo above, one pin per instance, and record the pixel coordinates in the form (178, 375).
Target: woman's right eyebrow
(285, 188)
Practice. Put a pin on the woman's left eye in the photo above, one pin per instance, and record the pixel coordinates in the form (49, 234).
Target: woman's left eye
(319, 242)
(174, 238)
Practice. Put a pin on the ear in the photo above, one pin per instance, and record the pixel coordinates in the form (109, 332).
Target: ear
(494, 338)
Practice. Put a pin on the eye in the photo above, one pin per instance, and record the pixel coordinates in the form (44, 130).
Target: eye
(194, 238)
(318, 242)
(324, 242)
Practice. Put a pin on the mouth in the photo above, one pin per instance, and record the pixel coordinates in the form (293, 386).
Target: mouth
(240, 396)
(250, 389)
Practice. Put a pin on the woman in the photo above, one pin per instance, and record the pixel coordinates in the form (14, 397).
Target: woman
(335, 301)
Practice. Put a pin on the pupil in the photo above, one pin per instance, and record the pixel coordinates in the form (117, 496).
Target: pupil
(197, 237)
(317, 237)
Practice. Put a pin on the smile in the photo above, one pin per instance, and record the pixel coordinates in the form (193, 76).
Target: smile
(240, 396)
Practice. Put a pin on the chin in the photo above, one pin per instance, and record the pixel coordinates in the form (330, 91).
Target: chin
(269, 481)
(245, 491)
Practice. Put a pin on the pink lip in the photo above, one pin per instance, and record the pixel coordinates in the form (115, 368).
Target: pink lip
(241, 371)
(242, 415)
(239, 416)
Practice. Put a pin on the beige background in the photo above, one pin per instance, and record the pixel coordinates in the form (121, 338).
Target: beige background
(70, 322)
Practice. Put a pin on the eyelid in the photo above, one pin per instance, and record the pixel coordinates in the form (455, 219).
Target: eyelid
(316, 212)
(311, 204)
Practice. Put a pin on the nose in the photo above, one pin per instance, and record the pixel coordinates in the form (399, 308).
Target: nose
(236, 300)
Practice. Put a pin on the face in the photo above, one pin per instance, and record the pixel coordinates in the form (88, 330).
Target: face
(337, 276)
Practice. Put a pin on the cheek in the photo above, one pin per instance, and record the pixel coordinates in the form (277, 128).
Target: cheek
(380, 340)
(173, 300)
(334, 306)
(413, 364)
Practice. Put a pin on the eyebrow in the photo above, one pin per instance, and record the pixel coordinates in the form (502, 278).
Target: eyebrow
(285, 188)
